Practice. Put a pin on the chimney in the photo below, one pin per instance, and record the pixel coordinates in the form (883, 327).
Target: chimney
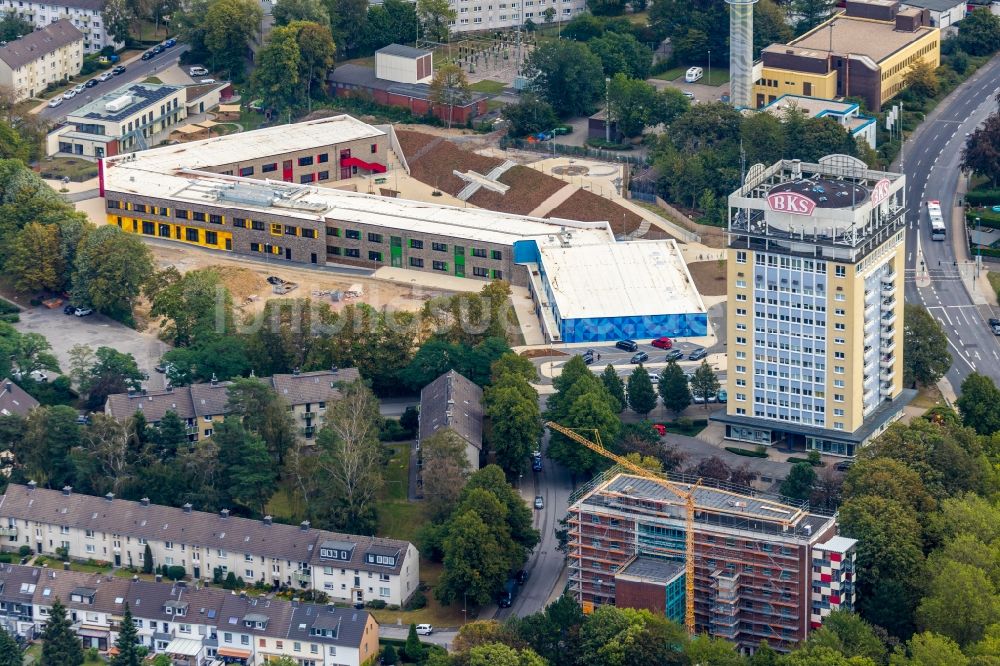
(268, 520)
(144, 501)
(295, 372)
(187, 507)
(67, 490)
(215, 380)
(109, 496)
(304, 525)
(224, 513)
(32, 485)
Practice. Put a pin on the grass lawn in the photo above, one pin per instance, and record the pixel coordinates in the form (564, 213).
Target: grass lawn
(250, 120)
(433, 613)
(718, 77)
(488, 87)
(689, 431)
(74, 168)
(152, 79)
(927, 397)
(994, 279)
(671, 74)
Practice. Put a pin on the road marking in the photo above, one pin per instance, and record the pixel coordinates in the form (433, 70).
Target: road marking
(978, 357)
(945, 313)
(961, 355)
(909, 257)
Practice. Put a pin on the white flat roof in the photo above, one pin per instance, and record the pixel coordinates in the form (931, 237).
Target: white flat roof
(632, 279)
(837, 544)
(256, 144)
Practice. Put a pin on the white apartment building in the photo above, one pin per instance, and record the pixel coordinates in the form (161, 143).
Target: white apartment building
(471, 15)
(346, 567)
(29, 64)
(84, 14)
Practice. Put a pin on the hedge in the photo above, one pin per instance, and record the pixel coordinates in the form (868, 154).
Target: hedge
(987, 217)
(750, 453)
(983, 197)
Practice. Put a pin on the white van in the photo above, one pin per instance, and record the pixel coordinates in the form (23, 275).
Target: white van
(693, 74)
(425, 629)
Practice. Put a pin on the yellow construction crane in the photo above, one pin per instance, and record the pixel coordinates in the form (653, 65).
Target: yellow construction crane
(687, 496)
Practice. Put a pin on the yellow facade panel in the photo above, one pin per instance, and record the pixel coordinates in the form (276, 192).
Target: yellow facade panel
(208, 238)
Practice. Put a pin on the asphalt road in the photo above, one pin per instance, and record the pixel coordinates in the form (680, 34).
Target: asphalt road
(931, 164)
(135, 70)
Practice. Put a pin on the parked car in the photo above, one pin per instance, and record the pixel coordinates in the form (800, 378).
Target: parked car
(639, 357)
(79, 88)
(995, 325)
(91, 83)
(83, 312)
(274, 279)
(654, 378)
(662, 343)
(844, 465)
(69, 94)
(148, 55)
(693, 74)
(82, 419)
(536, 464)
(627, 345)
(106, 76)
(698, 354)
(539, 502)
(588, 356)
(508, 594)
(158, 49)
(170, 43)
(425, 629)
(120, 69)
(521, 577)
(674, 355)
(197, 71)
(689, 95)
(69, 308)
(164, 368)
(55, 101)
(722, 396)
(37, 375)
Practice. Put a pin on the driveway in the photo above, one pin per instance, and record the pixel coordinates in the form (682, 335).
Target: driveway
(63, 331)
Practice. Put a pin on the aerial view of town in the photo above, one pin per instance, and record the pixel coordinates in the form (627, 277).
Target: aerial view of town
(500, 332)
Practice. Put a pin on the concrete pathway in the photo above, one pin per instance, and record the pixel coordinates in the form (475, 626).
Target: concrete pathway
(554, 201)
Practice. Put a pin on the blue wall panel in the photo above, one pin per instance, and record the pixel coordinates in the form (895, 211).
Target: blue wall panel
(601, 329)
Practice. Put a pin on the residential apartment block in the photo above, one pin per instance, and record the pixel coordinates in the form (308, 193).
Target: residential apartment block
(50, 55)
(454, 402)
(128, 118)
(762, 565)
(472, 15)
(194, 625)
(85, 15)
(202, 406)
(346, 567)
(815, 309)
(864, 51)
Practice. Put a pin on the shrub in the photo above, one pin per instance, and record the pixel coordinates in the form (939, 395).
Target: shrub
(24, 551)
(417, 601)
(6, 558)
(175, 572)
(608, 145)
(389, 655)
(93, 654)
(746, 452)
(377, 604)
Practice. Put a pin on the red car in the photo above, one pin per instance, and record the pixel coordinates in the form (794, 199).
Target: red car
(663, 343)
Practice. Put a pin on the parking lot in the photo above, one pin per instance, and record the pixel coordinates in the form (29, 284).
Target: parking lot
(63, 331)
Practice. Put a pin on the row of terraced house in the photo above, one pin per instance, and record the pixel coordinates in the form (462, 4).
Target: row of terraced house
(193, 625)
(348, 568)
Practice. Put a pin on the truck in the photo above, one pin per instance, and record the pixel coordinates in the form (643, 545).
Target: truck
(509, 591)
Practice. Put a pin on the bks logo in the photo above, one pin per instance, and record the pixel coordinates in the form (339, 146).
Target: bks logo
(880, 191)
(791, 202)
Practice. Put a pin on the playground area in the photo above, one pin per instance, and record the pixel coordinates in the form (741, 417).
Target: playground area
(495, 57)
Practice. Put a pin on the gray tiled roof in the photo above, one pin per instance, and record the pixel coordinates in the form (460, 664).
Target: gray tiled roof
(164, 523)
(934, 5)
(14, 400)
(452, 401)
(199, 400)
(348, 623)
(39, 43)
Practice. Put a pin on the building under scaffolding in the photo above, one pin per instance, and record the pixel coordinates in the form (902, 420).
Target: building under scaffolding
(765, 568)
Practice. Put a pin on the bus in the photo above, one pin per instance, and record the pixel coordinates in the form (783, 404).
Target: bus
(937, 221)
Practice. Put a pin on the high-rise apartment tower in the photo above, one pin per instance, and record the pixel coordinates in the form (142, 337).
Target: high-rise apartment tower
(741, 52)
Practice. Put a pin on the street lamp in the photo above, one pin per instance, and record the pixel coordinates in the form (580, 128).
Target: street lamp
(979, 249)
(607, 109)
(710, 67)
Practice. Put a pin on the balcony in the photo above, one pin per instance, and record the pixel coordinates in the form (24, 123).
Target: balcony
(888, 290)
(302, 576)
(885, 387)
(313, 414)
(867, 395)
(888, 332)
(886, 362)
(8, 531)
(869, 307)
(888, 319)
(887, 346)
(888, 303)
(887, 375)
(889, 278)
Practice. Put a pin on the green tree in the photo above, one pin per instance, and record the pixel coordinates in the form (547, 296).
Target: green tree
(111, 268)
(961, 602)
(674, 388)
(928, 649)
(195, 308)
(567, 75)
(35, 261)
(474, 562)
(518, 515)
(979, 404)
(515, 422)
(450, 87)
(413, 649)
(10, 652)
(435, 15)
(229, 26)
(147, 560)
(922, 79)
(316, 53)
(622, 53)
(51, 433)
(634, 104)
(498, 654)
(247, 468)
(810, 13)
(606, 7)
(627, 636)
(167, 436)
(925, 347)
(763, 137)
(641, 394)
(112, 372)
(276, 75)
(128, 642)
(979, 154)
(288, 11)
(715, 651)
(389, 655)
(389, 22)
(14, 27)
(265, 413)
(770, 26)
(979, 32)
(28, 352)
(850, 635)
(529, 115)
(799, 482)
(445, 469)
(117, 16)
(614, 385)
(704, 383)
(60, 646)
